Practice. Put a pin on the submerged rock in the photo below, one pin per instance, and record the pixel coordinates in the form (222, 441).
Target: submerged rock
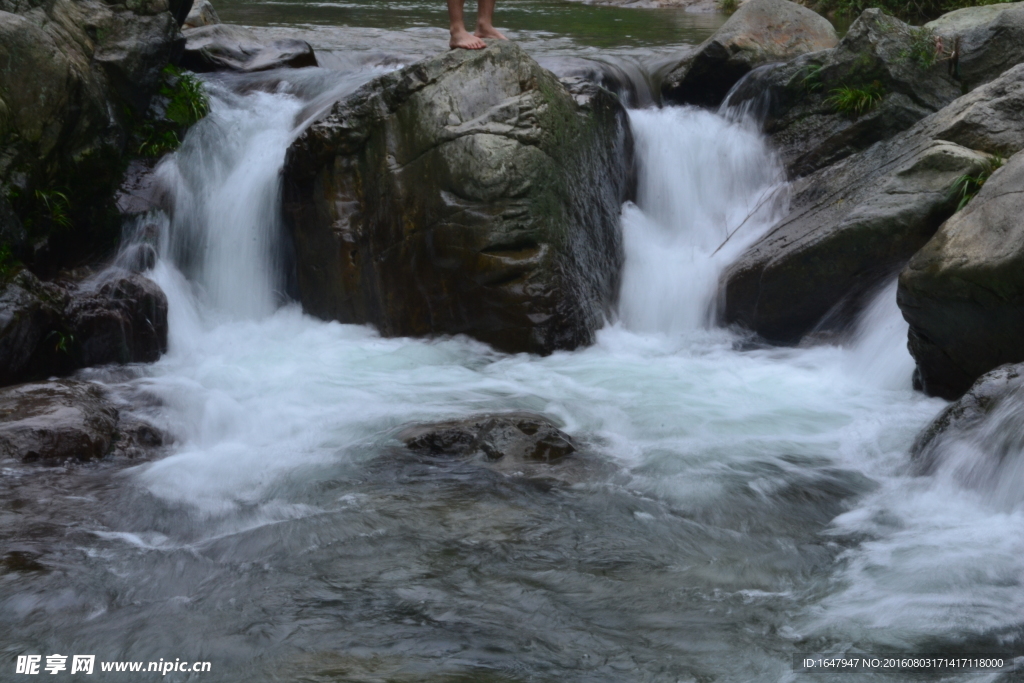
(53, 329)
(470, 193)
(519, 437)
(855, 223)
(53, 422)
(963, 293)
(223, 47)
(760, 31)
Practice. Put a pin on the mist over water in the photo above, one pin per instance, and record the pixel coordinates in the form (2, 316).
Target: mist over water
(753, 502)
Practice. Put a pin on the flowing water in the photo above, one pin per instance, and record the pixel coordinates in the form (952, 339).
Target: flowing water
(736, 504)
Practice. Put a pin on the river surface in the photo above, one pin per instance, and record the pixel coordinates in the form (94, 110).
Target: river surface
(734, 504)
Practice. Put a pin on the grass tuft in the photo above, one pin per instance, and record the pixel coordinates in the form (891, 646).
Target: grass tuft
(967, 186)
(855, 101)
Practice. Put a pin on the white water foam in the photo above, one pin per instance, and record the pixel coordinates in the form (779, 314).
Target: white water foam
(262, 398)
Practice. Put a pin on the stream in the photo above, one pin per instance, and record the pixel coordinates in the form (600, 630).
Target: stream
(736, 504)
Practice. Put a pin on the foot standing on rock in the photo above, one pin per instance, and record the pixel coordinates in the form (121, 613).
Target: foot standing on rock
(484, 25)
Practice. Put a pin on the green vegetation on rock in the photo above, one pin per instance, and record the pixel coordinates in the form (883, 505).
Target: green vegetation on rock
(907, 10)
(855, 101)
(968, 185)
(180, 103)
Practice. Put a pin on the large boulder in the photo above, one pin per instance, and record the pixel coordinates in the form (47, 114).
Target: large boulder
(53, 329)
(223, 47)
(989, 40)
(759, 32)
(963, 293)
(880, 56)
(471, 193)
(201, 14)
(857, 222)
(74, 77)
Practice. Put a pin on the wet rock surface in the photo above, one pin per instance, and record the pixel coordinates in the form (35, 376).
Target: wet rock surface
(857, 222)
(201, 14)
(53, 328)
(76, 74)
(53, 422)
(471, 193)
(963, 293)
(759, 32)
(223, 47)
(515, 437)
(879, 54)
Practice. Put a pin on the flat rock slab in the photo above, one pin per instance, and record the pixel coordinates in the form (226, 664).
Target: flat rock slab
(517, 437)
(224, 47)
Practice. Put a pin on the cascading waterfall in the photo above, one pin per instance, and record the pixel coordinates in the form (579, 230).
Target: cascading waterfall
(719, 487)
(707, 188)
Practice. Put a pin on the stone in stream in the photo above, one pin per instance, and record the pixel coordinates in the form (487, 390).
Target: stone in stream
(517, 437)
(224, 47)
(471, 193)
(54, 422)
(857, 222)
(963, 293)
(880, 56)
(53, 328)
(760, 31)
(201, 14)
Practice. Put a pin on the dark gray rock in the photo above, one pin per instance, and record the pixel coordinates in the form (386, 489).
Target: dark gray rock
(223, 47)
(54, 422)
(760, 31)
(990, 40)
(859, 221)
(471, 193)
(51, 329)
(963, 293)
(75, 76)
(31, 313)
(518, 437)
(878, 53)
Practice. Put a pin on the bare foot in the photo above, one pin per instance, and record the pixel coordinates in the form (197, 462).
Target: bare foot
(465, 40)
(489, 32)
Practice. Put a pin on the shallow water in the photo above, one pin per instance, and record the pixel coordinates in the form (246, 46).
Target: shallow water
(733, 505)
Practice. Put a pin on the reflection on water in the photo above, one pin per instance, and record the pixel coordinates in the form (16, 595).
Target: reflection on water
(586, 25)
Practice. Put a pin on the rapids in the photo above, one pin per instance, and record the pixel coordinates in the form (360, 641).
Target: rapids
(738, 504)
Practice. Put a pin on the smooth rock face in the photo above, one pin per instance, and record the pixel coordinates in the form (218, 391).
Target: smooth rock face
(201, 14)
(519, 437)
(760, 31)
(223, 47)
(963, 293)
(879, 53)
(991, 40)
(73, 75)
(855, 223)
(471, 193)
(52, 329)
(53, 422)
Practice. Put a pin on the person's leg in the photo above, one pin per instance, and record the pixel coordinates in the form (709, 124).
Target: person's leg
(460, 36)
(485, 21)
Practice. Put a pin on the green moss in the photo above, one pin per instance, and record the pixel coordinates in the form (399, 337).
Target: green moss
(728, 6)
(9, 265)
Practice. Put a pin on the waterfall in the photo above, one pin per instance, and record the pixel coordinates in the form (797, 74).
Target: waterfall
(707, 188)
